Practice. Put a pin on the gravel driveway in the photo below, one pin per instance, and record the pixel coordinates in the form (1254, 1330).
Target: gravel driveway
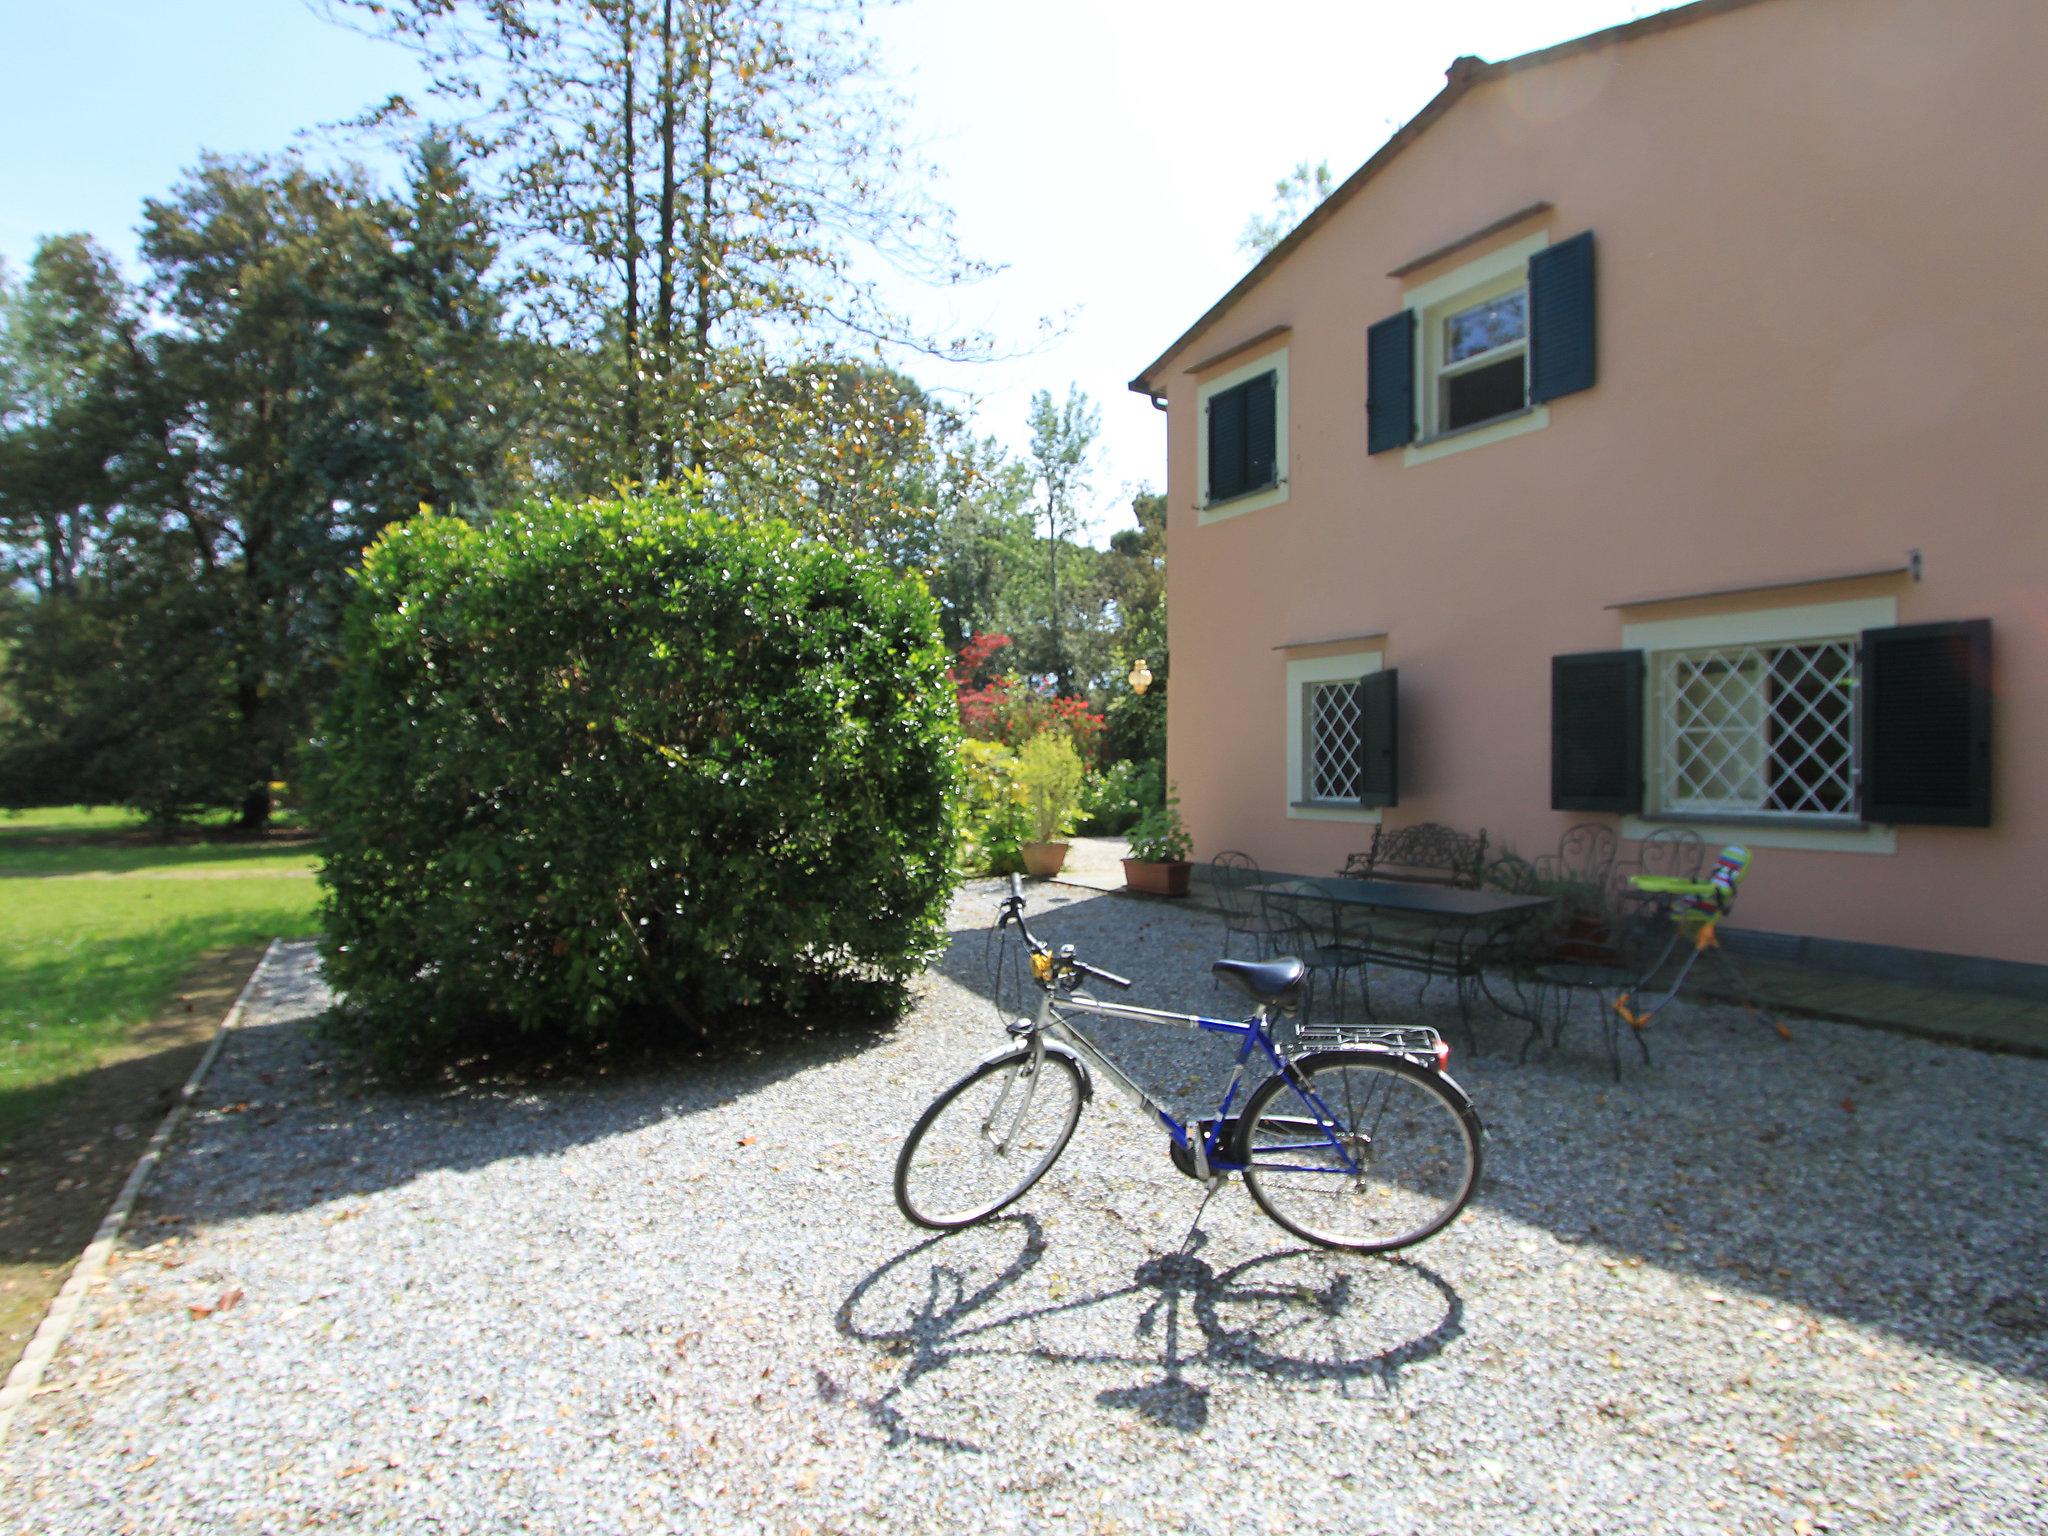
(1753, 1287)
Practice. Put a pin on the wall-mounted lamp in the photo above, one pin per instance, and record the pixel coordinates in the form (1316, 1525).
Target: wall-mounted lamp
(1141, 677)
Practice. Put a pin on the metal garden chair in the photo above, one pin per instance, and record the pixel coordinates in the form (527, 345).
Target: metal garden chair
(1318, 937)
(1235, 877)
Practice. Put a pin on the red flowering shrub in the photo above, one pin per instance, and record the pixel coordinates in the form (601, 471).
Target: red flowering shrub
(1001, 706)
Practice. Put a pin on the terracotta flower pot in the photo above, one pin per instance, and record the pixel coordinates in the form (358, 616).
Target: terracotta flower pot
(1169, 878)
(1043, 860)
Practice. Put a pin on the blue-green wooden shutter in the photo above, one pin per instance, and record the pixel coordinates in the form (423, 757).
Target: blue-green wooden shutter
(1596, 731)
(1379, 729)
(1390, 382)
(1561, 319)
(1259, 423)
(1226, 444)
(1925, 749)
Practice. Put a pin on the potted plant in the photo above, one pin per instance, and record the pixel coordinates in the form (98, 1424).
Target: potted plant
(1050, 770)
(1158, 865)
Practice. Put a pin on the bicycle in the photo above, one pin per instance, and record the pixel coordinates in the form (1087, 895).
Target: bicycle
(1360, 1139)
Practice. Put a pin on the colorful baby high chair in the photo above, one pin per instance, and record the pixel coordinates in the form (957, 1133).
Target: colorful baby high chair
(1694, 909)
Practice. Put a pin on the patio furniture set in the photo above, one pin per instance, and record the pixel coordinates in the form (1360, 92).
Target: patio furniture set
(1533, 938)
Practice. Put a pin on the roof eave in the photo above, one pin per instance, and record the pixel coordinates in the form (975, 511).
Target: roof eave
(1464, 73)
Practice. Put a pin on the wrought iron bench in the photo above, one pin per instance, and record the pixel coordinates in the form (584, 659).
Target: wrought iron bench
(1428, 853)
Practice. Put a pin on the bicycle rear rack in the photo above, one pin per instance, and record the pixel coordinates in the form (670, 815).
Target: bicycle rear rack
(1417, 1040)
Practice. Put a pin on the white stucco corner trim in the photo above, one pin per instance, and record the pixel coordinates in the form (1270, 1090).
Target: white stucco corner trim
(1341, 668)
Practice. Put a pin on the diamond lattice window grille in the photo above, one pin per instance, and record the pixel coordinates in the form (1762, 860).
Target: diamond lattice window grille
(1760, 730)
(1336, 744)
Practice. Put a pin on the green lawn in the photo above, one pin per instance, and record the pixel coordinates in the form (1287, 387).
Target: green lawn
(97, 925)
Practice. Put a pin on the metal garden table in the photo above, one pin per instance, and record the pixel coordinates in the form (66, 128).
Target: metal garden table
(1436, 930)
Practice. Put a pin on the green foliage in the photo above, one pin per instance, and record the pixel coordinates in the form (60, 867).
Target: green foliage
(1295, 196)
(1113, 799)
(592, 767)
(1050, 770)
(1159, 838)
(187, 488)
(995, 814)
(84, 959)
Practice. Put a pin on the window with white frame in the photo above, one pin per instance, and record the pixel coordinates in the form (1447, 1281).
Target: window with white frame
(1757, 730)
(1335, 755)
(1332, 771)
(1241, 438)
(1476, 356)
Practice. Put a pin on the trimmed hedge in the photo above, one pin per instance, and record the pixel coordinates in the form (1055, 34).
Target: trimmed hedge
(593, 766)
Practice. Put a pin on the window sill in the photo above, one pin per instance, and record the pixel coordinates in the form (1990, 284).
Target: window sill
(1324, 810)
(1269, 495)
(1476, 426)
(1822, 834)
(1531, 418)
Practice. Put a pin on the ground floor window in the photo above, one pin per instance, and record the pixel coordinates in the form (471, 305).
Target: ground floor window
(1336, 745)
(1757, 730)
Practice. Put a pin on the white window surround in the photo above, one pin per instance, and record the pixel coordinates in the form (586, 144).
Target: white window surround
(1275, 363)
(1484, 277)
(1345, 668)
(1761, 626)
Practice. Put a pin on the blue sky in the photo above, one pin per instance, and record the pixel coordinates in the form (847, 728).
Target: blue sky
(1107, 152)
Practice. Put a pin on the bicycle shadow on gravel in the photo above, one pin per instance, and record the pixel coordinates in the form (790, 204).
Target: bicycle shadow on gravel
(958, 1301)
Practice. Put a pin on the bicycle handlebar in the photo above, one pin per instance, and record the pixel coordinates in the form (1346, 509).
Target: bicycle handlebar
(1088, 970)
(1013, 911)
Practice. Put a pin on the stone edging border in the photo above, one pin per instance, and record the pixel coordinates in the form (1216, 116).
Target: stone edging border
(27, 1374)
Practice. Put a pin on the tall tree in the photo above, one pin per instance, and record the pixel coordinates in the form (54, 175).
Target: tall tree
(66, 340)
(321, 361)
(745, 143)
(1295, 196)
(1062, 463)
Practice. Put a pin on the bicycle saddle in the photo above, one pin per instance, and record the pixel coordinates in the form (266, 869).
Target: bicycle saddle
(1273, 982)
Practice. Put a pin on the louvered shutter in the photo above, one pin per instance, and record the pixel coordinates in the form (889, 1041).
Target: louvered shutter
(1596, 731)
(1925, 753)
(1379, 733)
(1561, 319)
(1226, 444)
(1258, 431)
(1390, 382)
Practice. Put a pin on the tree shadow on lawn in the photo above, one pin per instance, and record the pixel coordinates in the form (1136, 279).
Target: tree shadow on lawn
(1896, 1184)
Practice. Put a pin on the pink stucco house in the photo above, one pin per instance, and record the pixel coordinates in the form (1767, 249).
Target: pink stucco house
(1647, 434)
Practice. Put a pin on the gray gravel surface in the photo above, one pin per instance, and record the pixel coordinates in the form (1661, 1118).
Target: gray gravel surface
(1755, 1286)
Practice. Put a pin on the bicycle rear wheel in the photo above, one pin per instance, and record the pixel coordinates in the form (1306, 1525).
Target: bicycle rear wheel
(987, 1139)
(1410, 1150)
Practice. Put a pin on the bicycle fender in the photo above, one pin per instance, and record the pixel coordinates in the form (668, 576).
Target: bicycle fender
(1338, 1056)
(1052, 1048)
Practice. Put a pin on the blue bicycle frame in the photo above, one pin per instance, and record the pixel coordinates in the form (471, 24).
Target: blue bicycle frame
(1203, 1147)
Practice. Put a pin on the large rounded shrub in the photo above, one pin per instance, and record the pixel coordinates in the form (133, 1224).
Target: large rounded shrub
(590, 766)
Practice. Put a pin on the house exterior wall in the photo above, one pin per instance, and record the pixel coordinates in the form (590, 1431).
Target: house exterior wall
(1823, 332)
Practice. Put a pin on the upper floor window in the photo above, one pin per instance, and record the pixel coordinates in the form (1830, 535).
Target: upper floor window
(1241, 438)
(1474, 354)
(1241, 442)
(1481, 362)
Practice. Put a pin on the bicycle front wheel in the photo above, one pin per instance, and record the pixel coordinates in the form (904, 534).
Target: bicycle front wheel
(1360, 1151)
(987, 1139)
